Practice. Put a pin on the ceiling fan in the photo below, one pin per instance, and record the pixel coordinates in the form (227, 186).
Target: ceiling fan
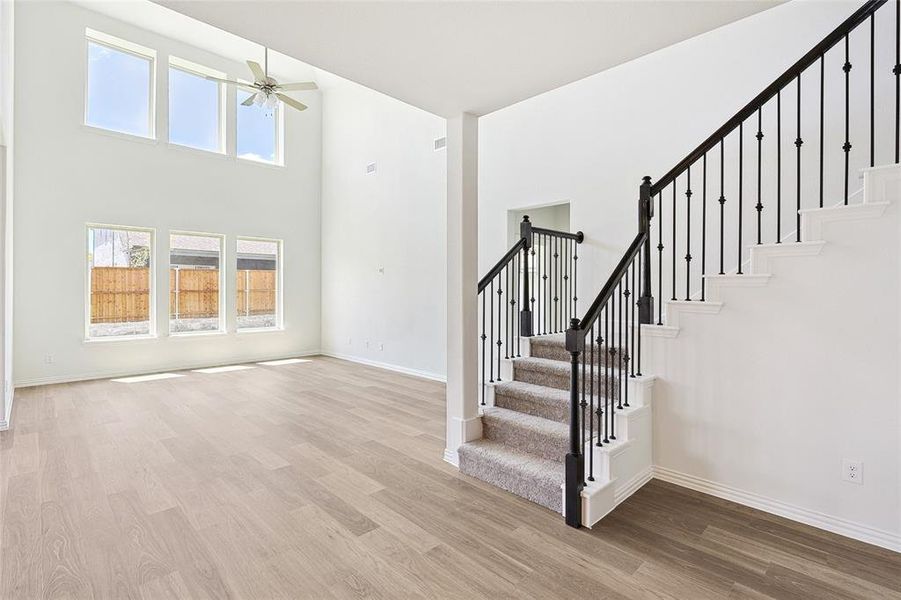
(265, 90)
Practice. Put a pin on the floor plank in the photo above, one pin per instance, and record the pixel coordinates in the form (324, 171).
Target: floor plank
(325, 479)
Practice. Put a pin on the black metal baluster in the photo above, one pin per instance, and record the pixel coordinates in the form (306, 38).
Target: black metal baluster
(873, 89)
(822, 119)
(491, 333)
(590, 409)
(567, 261)
(703, 241)
(759, 206)
(612, 388)
(620, 352)
(606, 390)
(798, 143)
(557, 282)
(897, 71)
(634, 324)
(741, 187)
(591, 377)
(624, 318)
(847, 145)
(517, 320)
(673, 248)
(532, 277)
(506, 276)
(500, 311)
(722, 207)
(483, 338)
(638, 325)
(575, 278)
(779, 167)
(688, 236)
(660, 257)
(547, 298)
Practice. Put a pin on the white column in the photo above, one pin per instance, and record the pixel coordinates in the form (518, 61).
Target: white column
(463, 421)
(7, 62)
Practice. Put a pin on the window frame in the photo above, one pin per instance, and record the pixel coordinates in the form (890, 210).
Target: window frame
(124, 46)
(198, 70)
(279, 135)
(279, 285)
(223, 327)
(152, 330)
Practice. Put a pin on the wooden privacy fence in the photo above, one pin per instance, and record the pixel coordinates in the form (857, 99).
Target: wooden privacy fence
(122, 294)
(256, 292)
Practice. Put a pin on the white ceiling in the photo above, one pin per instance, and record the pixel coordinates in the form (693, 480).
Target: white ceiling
(452, 57)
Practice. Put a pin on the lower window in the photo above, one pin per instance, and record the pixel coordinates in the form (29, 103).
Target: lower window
(195, 281)
(120, 282)
(258, 299)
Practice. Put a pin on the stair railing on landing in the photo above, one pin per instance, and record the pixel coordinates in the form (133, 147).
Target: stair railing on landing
(530, 291)
(607, 336)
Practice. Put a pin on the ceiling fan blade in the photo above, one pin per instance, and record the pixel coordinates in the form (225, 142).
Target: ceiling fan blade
(240, 84)
(296, 87)
(249, 100)
(291, 102)
(218, 79)
(257, 70)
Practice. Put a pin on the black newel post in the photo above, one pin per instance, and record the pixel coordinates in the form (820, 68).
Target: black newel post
(525, 313)
(645, 212)
(575, 460)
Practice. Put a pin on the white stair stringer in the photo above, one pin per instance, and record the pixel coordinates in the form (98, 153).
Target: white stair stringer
(623, 465)
(881, 185)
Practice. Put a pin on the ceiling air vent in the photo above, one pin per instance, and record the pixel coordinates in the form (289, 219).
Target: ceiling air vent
(440, 143)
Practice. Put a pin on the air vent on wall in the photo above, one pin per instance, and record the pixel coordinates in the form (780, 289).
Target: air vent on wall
(370, 168)
(440, 143)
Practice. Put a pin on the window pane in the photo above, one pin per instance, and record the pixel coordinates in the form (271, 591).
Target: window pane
(194, 116)
(256, 284)
(256, 131)
(120, 284)
(194, 278)
(118, 90)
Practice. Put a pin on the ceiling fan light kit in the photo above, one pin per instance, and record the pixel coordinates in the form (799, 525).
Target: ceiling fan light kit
(266, 91)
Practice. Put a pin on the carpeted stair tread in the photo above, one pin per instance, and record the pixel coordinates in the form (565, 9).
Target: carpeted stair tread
(526, 475)
(538, 400)
(553, 347)
(556, 374)
(527, 433)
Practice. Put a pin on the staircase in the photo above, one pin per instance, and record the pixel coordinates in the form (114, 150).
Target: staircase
(566, 419)
(525, 432)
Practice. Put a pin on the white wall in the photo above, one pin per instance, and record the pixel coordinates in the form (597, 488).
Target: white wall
(7, 63)
(67, 175)
(392, 220)
(590, 142)
(764, 400)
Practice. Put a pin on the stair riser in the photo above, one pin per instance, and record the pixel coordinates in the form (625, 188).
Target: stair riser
(553, 412)
(538, 443)
(561, 380)
(539, 492)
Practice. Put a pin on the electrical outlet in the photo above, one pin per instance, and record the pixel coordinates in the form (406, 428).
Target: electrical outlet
(381, 346)
(48, 359)
(852, 471)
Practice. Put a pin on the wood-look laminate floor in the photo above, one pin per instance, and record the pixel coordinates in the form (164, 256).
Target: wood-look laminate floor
(325, 480)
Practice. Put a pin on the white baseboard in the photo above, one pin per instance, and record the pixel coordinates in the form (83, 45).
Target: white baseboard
(632, 486)
(387, 366)
(54, 379)
(857, 531)
(452, 457)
